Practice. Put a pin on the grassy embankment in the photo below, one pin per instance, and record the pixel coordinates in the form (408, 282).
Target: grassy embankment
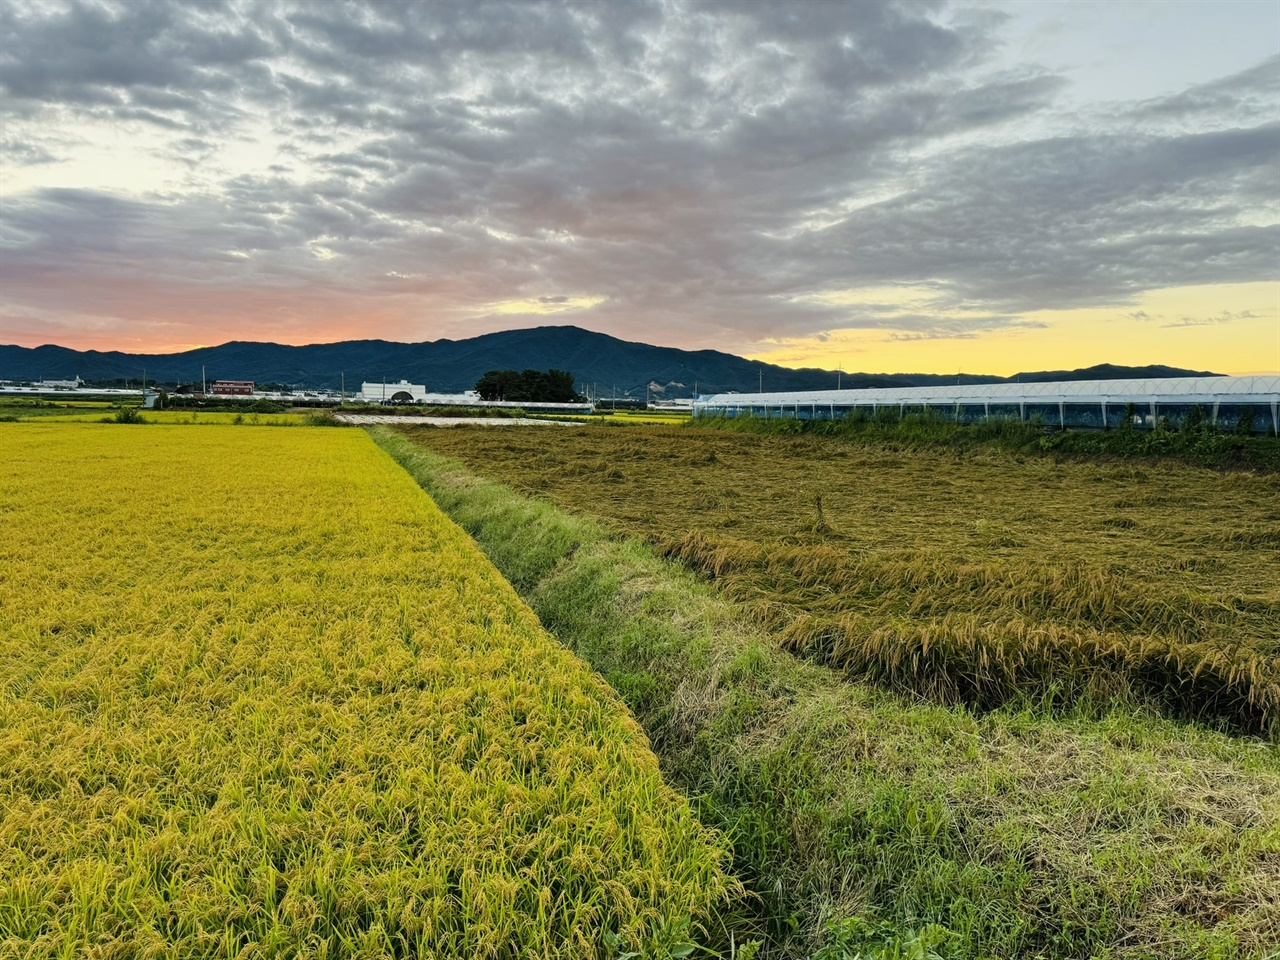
(1090, 829)
(259, 697)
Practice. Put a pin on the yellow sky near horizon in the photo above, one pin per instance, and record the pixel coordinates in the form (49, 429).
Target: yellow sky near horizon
(1227, 328)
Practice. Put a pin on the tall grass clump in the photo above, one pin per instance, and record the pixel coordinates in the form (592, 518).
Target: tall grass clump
(321, 418)
(865, 822)
(128, 415)
(291, 710)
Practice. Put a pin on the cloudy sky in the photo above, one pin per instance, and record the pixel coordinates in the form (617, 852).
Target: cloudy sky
(918, 186)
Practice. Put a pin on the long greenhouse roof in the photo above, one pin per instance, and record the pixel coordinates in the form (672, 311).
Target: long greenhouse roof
(1264, 389)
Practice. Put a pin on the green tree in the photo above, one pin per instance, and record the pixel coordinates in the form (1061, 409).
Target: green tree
(558, 387)
(527, 386)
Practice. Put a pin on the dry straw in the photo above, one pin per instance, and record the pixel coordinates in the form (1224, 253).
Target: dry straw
(966, 578)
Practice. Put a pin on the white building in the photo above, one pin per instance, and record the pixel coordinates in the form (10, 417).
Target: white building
(390, 392)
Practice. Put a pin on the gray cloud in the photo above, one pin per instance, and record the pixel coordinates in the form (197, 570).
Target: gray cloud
(703, 169)
(1072, 221)
(935, 335)
(25, 153)
(137, 58)
(1226, 316)
(1253, 90)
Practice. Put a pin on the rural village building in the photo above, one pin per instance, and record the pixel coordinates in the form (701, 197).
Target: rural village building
(383, 392)
(232, 388)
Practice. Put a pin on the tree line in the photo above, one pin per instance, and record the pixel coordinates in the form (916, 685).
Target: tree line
(532, 386)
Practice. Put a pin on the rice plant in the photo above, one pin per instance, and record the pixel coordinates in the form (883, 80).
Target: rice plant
(259, 697)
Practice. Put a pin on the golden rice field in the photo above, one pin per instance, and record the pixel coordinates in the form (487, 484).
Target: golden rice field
(259, 697)
(966, 578)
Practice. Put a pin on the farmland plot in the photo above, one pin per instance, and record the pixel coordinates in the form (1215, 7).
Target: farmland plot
(259, 697)
(866, 820)
(970, 580)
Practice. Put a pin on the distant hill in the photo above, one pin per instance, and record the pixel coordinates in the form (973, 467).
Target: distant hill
(600, 363)
(1109, 371)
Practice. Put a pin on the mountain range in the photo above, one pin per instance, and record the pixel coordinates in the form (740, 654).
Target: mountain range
(601, 365)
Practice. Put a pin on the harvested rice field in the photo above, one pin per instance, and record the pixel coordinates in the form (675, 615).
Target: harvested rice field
(969, 579)
(259, 697)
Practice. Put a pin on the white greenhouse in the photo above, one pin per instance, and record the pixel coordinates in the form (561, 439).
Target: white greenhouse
(1081, 404)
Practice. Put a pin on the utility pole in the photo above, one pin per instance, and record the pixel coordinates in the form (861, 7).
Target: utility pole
(344, 386)
(761, 380)
(204, 387)
(839, 374)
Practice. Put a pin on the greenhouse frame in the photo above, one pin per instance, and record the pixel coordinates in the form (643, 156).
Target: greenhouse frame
(1070, 404)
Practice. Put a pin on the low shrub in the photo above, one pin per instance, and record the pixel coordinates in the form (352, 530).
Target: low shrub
(128, 415)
